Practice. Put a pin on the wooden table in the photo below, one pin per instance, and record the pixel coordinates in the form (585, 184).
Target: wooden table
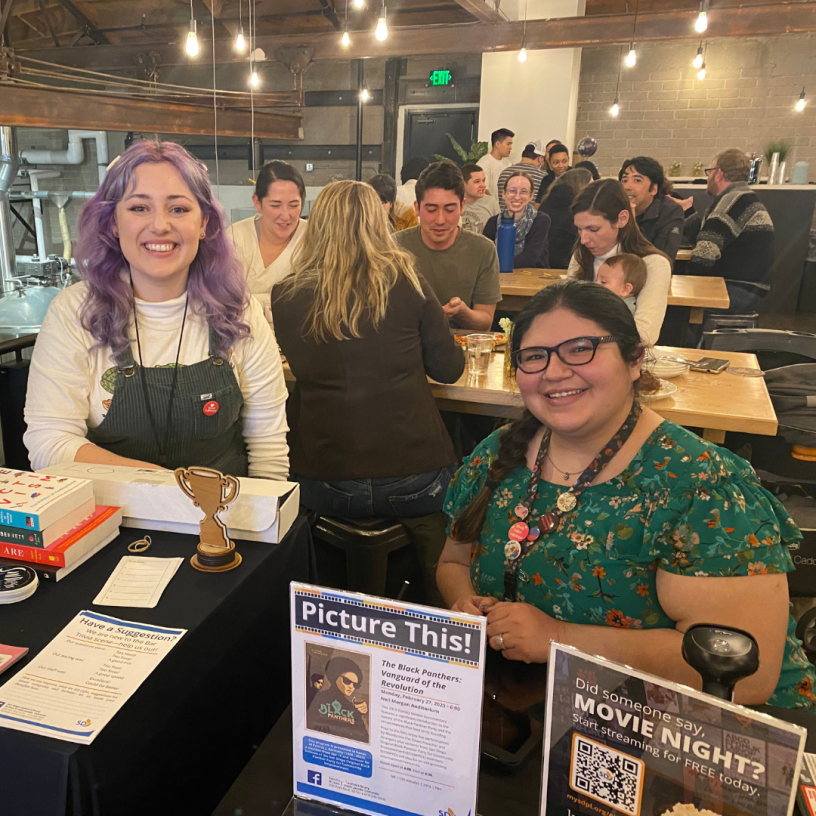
(695, 293)
(714, 402)
(683, 254)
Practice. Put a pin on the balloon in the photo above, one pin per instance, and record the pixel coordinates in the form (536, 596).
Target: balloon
(587, 147)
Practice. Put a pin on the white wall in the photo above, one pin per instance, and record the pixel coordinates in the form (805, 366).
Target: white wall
(536, 99)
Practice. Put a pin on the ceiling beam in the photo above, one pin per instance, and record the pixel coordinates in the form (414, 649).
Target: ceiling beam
(50, 27)
(84, 22)
(470, 38)
(36, 107)
(4, 14)
(484, 10)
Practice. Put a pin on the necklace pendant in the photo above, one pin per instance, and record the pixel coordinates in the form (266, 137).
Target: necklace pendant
(512, 550)
(566, 476)
(566, 502)
(521, 512)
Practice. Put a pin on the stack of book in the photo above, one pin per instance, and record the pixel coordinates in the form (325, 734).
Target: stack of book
(51, 522)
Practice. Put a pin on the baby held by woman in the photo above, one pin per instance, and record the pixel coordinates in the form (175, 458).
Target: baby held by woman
(625, 275)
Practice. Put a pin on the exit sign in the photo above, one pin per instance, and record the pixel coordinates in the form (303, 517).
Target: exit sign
(440, 78)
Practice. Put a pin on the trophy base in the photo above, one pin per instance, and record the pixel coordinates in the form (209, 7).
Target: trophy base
(216, 559)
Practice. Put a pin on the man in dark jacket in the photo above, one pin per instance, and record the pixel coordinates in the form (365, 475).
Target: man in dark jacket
(659, 216)
(736, 239)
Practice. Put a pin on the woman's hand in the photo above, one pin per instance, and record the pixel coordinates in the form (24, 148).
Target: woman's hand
(521, 631)
(473, 604)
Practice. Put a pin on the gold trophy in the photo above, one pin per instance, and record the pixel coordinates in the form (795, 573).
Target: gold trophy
(212, 492)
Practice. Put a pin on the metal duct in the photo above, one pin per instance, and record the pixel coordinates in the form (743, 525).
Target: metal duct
(9, 163)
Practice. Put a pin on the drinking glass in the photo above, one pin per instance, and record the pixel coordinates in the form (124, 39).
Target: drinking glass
(479, 349)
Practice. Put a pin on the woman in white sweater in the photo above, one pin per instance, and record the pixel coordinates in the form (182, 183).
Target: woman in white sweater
(606, 227)
(159, 357)
(266, 242)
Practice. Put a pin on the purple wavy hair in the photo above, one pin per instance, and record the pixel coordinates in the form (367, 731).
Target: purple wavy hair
(215, 285)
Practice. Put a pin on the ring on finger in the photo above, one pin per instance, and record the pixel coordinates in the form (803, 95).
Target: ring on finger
(500, 642)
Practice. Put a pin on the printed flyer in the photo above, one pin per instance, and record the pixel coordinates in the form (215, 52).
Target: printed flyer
(386, 704)
(618, 741)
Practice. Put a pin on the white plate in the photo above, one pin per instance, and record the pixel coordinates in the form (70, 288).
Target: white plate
(666, 369)
(666, 390)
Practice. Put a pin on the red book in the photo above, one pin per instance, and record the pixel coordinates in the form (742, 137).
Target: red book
(73, 545)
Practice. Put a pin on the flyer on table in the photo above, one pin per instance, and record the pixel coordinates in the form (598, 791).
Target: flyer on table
(618, 741)
(386, 703)
(76, 684)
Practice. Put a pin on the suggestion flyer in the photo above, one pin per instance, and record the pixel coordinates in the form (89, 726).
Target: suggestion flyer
(618, 741)
(386, 703)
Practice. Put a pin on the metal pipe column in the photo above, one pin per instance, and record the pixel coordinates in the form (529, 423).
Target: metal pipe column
(9, 162)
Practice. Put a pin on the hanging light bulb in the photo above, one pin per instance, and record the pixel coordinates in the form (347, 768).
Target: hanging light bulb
(254, 81)
(800, 104)
(345, 40)
(381, 32)
(358, 4)
(701, 23)
(365, 95)
(522, 55)
(698, 60)
(631, 57)
(191, 46)
(701, 74)
(240, 42)
(615, 109)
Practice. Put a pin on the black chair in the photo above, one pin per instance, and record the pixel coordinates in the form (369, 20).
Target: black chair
(367, 544)
(13, 386)
(730, 321)
(773, 348)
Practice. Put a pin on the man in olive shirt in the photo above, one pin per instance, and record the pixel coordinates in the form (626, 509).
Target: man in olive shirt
(461, 267)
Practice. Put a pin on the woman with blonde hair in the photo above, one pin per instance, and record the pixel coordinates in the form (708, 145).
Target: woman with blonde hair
(362, 331)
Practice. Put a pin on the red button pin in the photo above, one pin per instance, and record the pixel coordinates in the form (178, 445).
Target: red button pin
(211, 408)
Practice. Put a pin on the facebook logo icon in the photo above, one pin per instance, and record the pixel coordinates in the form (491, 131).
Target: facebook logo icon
(315, 778)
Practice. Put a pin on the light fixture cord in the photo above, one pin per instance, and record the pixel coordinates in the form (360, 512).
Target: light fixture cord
(252, 90)
(524, 29)
(620, 63)
(215, 105)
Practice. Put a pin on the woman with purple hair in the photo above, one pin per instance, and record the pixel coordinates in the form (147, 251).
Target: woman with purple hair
(158, 357)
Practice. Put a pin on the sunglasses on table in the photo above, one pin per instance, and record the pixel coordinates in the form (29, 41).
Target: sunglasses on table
(576, 352)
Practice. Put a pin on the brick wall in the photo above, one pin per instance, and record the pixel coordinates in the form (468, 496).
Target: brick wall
(745, 101)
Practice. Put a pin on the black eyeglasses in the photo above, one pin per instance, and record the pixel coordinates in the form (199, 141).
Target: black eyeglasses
(346, 682)
(709, 170)
(576, 352)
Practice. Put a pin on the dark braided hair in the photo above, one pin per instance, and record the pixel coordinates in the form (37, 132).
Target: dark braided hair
(584, 299)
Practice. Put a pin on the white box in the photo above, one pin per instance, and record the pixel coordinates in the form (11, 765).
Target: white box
(151, 500)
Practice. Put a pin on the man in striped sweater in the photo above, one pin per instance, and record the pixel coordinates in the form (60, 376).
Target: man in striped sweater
(736, 239)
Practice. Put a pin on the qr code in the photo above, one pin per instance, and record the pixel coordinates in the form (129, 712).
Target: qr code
(606, 775)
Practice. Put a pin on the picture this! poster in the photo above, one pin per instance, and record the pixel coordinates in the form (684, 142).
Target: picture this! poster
(387, 703)
(619, 741)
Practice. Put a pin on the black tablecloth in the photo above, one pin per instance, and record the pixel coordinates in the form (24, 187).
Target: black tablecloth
(180, 741)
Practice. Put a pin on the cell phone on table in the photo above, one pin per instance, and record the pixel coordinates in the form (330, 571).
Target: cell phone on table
(711, 365)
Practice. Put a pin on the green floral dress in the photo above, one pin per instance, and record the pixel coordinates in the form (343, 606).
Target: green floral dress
(682, 505)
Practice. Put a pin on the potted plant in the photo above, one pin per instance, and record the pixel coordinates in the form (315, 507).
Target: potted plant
(472, 156)
(780, 146)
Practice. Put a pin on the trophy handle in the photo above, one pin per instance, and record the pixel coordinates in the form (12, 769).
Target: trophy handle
(182, 475)
(233, 486)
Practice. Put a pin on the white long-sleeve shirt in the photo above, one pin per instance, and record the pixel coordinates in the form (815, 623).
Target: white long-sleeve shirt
(653, 298)
(67, 393)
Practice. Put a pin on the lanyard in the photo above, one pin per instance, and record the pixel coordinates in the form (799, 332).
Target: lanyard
(160, 443)
(525, 532)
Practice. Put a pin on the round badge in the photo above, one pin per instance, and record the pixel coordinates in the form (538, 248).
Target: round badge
(512, 550)
(521, 512)
(211, 408)
(548, 523)
(566, 502)
(533, 534)
(518, 532)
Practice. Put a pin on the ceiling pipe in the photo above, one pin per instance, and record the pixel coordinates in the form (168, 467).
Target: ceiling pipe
(35, 177)
(9, 163)
(75, 153)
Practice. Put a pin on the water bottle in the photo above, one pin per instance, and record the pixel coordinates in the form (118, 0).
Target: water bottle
(756, 166)
(506, 243)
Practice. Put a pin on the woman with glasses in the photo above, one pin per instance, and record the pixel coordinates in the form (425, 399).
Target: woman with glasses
(593, 522)
(532, 227)
(606, 226)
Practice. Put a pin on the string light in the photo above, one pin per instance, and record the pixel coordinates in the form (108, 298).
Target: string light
(800, 105)
(240, 42)
(191, 46)
(358, 4)
(381, 32)
(701, 74)
(698, 60)
(615, 109)
(701, 23)
(522, 55)
(345, 40)
(254, 80)
(364, 94)
(631, 57)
